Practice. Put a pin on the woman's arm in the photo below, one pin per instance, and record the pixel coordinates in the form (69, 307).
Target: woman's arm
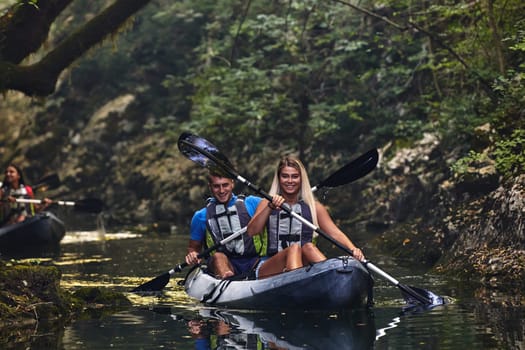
(258, 221)
(265, 207)
(327, 225)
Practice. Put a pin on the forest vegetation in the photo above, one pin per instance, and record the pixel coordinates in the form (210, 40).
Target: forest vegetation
(99, 91)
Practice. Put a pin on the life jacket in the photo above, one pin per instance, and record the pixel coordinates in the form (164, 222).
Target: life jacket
(16, 208)
(222, 221)
(283, 230)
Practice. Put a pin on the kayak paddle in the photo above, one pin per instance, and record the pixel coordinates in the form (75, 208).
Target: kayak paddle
(352, 171)
(202, 152)
(89, 205)
(159, 282)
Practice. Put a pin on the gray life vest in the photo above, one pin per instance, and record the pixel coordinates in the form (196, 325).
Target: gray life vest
(284, 230)
(222, 221)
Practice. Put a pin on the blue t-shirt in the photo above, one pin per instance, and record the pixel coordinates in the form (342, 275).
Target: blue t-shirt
(198, 222)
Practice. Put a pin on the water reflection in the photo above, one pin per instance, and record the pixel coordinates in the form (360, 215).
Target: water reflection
(301, 330)
(183, 327)
(224, 329)
(134, 329)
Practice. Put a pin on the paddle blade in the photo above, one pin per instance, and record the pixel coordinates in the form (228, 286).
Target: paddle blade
(419, 296)
(354, 170)
(48, 182)
(155, 285)
(89, 205)
(204, 153)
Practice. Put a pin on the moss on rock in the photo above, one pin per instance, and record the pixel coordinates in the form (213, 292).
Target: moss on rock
(30, 294)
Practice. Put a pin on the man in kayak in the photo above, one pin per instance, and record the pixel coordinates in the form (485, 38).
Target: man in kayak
(224, 215)
(290, 242)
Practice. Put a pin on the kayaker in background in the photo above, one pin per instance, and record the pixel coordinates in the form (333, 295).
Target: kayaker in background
(13, 187)
(290, 242)
(225, 214)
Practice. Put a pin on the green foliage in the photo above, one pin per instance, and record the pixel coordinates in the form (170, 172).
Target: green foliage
(304, 73)
(510, 154)
(462, 165)
(509, 112)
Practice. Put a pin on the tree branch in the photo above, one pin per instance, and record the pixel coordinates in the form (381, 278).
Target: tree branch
(40, 78)
(409, 24)
(25, 27)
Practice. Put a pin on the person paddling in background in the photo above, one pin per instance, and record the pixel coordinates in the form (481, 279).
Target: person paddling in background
(290, 242)
(225, 214)
(13, 187)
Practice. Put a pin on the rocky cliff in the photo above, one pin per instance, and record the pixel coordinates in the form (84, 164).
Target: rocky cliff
(471, 225)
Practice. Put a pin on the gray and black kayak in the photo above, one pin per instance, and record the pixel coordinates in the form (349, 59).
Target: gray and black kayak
(341, 283)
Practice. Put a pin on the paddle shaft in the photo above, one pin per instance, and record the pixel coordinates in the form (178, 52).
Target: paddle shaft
(296, 216)
(161, 281)
(89, 205)
(40, 201)
(206, 252)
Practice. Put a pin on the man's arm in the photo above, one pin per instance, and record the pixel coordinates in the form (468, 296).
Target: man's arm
(194, 248)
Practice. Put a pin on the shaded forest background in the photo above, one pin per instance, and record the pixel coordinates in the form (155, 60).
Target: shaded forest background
(326, 80)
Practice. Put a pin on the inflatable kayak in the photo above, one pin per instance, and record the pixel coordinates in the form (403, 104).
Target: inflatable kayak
(334, 284)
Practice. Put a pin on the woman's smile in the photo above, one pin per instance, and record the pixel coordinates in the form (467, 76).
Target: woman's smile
(290, 179)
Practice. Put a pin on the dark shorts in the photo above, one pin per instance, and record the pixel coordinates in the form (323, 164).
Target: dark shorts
(242, 265)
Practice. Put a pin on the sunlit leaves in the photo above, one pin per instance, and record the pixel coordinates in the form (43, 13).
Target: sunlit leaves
(510, 154)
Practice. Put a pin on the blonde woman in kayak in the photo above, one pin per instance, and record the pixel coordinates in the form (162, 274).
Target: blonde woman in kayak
(290, 242)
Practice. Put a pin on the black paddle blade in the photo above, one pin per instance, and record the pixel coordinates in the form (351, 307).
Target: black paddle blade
(155, 285)
(204, 153)
(354, 170)
(89, 205)
(48, 182)
(415, 296)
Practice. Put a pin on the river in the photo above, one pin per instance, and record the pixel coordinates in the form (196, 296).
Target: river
(473, 318)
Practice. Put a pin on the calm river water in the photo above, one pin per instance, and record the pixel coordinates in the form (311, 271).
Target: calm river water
(121, 261)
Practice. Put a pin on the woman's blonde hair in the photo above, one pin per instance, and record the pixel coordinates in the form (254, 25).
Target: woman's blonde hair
(305, 193)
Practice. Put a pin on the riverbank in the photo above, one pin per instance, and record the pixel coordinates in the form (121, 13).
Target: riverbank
(469, 227)
(34, 308)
